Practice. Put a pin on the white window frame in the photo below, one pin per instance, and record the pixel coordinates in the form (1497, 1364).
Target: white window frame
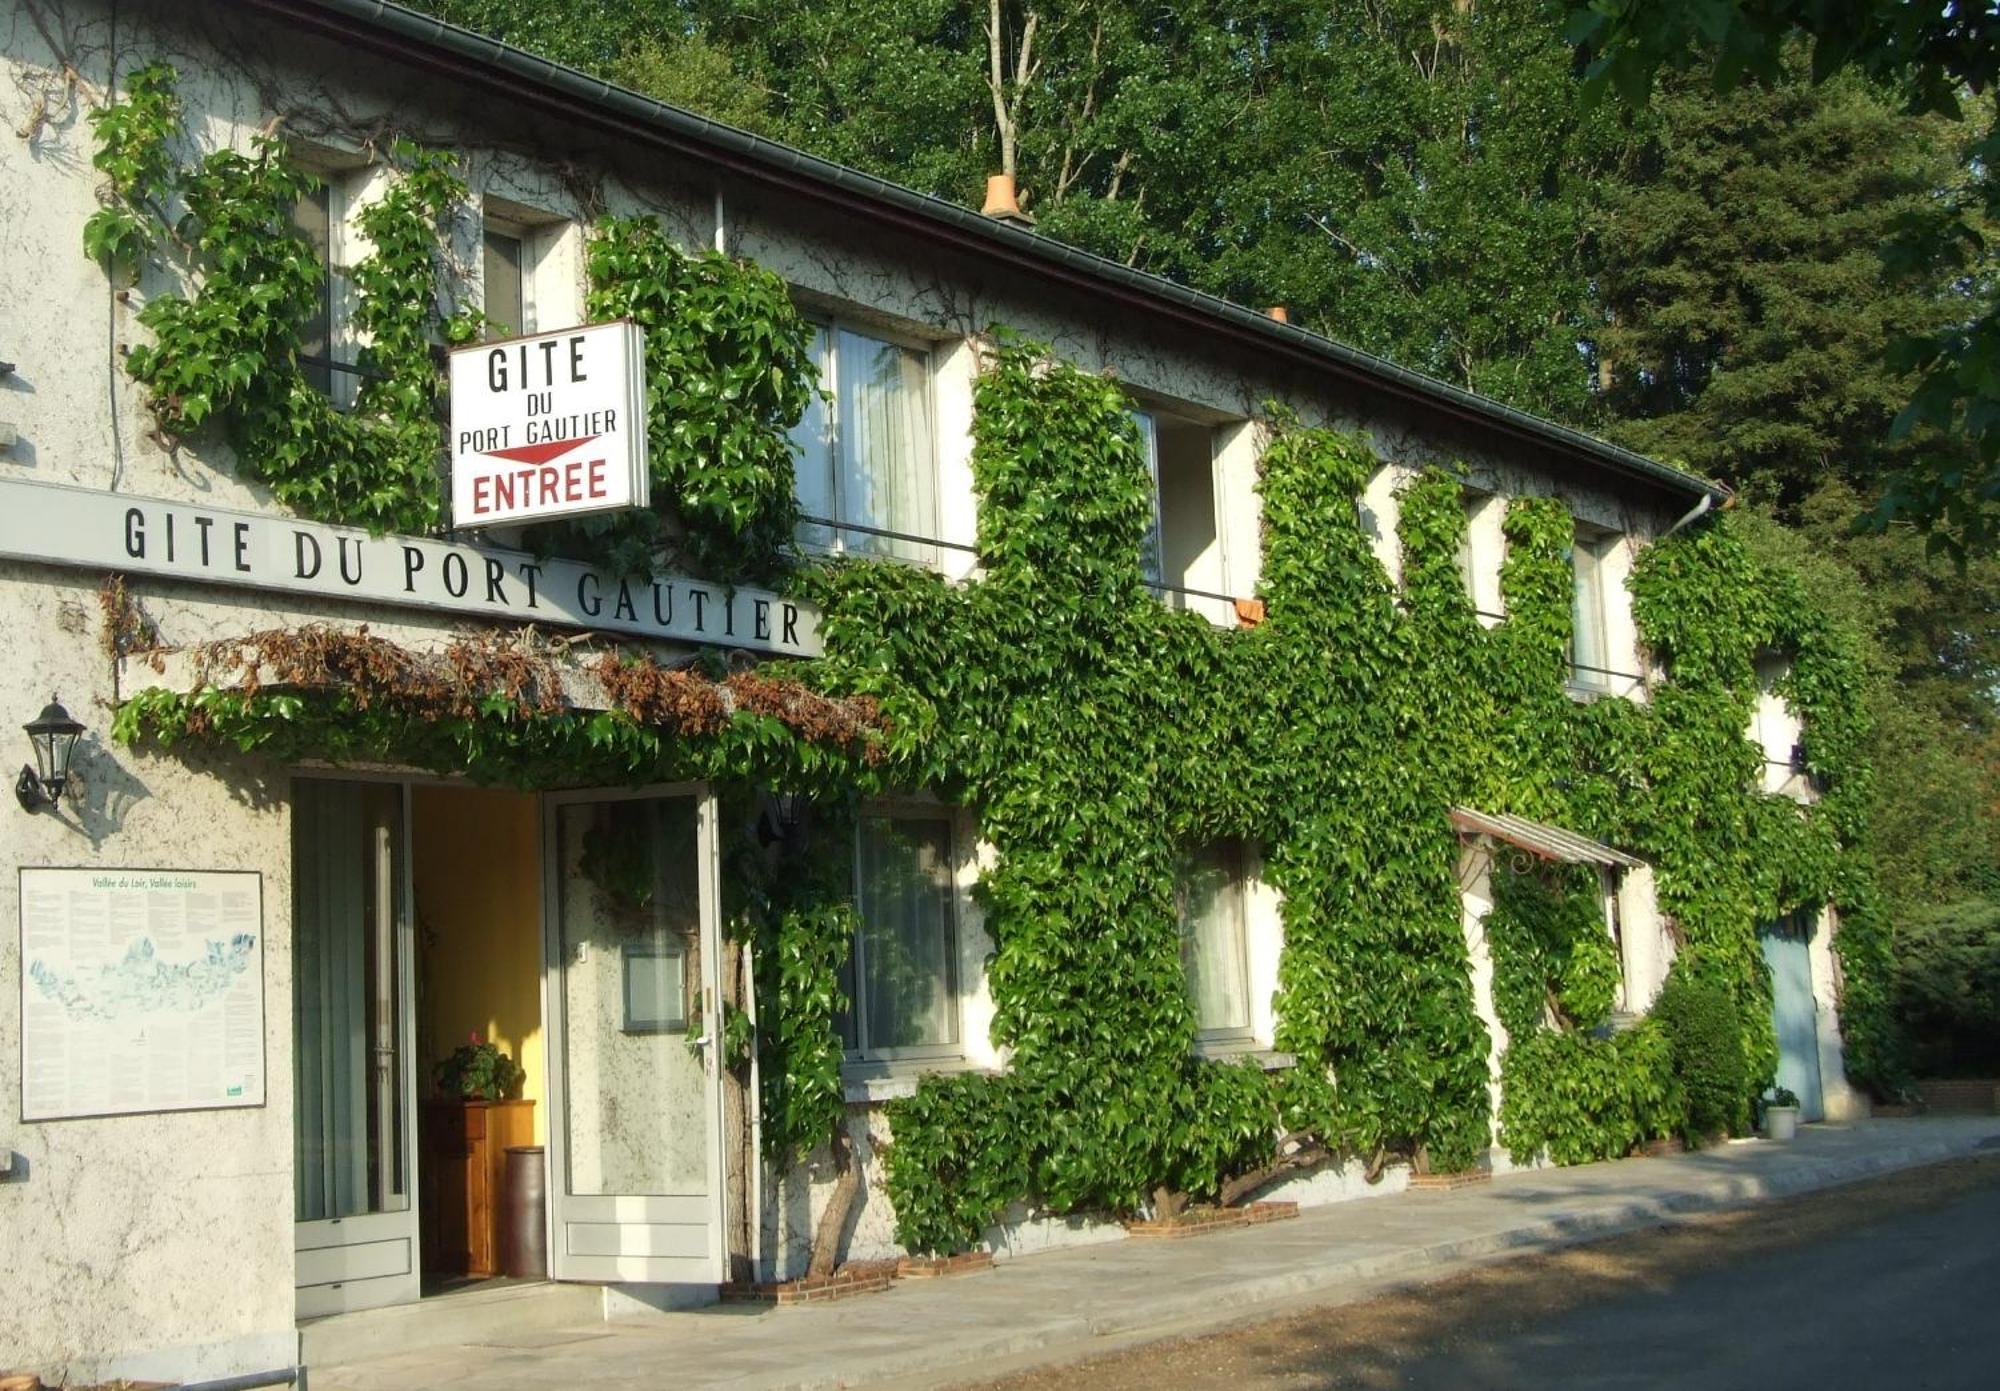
(828, 329)
(1236, 858)
(855, 1051)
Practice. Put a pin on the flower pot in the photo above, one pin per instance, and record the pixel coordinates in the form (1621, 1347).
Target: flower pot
(1781, 1122)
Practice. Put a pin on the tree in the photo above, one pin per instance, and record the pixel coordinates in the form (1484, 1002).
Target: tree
(1738, 268)
(1938, 56)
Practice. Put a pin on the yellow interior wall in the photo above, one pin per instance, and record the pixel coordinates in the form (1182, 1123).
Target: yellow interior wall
(478, 888)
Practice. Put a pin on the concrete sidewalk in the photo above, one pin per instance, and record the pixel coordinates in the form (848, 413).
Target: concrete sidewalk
(1083, 1301)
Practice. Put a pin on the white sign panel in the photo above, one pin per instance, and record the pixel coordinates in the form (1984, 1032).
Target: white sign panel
(141, 990)
(551, 425)
(111, 531)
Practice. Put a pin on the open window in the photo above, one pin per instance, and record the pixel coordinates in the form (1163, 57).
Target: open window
(1183, 556)
(1481, 553)
(1590, 641)
(867, 460)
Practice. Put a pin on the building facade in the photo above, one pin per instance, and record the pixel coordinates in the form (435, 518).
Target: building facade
(235, 966)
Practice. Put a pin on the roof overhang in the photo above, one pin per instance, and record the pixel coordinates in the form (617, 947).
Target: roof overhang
(527, 81)
(1543, 841)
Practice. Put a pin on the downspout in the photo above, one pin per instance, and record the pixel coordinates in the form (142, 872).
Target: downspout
(1693, 514)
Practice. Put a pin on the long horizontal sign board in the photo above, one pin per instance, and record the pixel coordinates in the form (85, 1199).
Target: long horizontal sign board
(212, 545)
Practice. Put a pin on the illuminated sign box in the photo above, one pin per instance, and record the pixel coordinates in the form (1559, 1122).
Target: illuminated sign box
(550, 425)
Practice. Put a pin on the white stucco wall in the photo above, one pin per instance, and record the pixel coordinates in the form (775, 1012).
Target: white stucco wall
(115, 1228)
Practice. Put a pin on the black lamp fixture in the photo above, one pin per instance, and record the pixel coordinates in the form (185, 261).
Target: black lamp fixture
(784, 820)
(54, 735)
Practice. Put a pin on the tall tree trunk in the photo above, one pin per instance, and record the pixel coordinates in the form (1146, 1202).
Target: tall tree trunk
(1007, 103)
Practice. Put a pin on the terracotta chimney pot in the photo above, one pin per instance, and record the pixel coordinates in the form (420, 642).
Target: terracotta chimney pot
(1000, 196)
(1277, 311)
(1003, 203)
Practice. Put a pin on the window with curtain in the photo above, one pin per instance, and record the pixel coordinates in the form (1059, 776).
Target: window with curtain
(1152, 555)
(1589, 649)
(1212, 920)
(868, 460)
(902, 976)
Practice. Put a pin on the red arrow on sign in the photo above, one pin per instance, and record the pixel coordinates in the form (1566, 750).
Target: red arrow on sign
(538, 453)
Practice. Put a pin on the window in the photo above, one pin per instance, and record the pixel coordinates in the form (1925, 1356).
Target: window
(1182, 558)
(503, 280)
(314, 221)
(867, 471)
(1211, 906)
(1607, 894)
(902, 976)
(1590, 648)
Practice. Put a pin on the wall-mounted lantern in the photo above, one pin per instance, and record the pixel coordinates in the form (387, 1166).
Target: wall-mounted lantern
(783, 821)
(54, 735)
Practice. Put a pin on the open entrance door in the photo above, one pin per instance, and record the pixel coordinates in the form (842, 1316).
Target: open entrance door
(354, 1145)
(632, 989)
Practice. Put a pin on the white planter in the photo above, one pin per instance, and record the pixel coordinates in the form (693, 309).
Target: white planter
(1781, 1122)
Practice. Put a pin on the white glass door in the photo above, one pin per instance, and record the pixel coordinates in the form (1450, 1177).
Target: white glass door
(632, 987)
(354, 1083)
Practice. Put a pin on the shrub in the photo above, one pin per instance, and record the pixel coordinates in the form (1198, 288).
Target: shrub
(1582, 1099)
(1706, 1046)
(1947, 987)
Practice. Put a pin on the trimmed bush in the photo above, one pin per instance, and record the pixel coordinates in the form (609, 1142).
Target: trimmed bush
(1706, 1046)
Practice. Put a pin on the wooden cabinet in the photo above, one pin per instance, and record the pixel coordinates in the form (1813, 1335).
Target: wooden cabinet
(465, 1165)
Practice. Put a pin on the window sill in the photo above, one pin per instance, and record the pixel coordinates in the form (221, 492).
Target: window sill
(868, 1082)
(1236, 1050)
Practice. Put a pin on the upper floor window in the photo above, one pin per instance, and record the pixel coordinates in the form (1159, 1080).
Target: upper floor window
(1211, 897)
(503, 279)
(1182, 556)
(902, 975)
(867, 465)
(530, 269)
(1482, 551)
(316, 220)
(1590, 645)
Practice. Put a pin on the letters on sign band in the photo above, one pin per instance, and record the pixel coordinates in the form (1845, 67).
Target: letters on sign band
(112, 531)
(551, 425)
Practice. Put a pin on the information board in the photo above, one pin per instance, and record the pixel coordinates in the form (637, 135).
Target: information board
(141, 990)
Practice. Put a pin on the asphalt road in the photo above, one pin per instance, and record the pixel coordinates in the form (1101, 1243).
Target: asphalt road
(1913, 1302)
(1893, 1283)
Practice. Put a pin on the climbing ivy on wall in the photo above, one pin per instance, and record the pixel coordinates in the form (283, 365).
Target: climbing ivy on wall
(1100, 736)
(1566, 1087)
(729, 362)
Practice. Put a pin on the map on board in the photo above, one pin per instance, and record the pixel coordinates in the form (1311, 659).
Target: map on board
(141, 990)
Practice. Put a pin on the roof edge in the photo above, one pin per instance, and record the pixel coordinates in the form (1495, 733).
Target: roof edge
(424, 38)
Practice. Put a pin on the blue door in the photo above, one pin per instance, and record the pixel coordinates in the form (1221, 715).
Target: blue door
(1793, 1013)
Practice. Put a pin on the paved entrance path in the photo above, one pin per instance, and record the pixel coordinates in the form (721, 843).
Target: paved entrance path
(1077, 1302)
